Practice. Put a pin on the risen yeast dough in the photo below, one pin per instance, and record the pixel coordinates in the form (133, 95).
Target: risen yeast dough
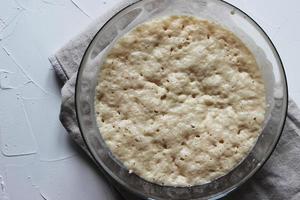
(180, 101)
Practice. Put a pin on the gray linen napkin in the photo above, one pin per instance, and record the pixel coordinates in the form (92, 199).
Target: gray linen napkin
(278, 179)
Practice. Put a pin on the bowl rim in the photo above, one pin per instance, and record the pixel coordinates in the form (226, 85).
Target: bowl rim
(246, 178)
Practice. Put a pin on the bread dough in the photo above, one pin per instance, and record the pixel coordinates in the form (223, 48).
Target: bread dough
(180, 101)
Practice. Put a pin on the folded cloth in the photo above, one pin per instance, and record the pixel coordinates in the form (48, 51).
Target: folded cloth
(278, 179)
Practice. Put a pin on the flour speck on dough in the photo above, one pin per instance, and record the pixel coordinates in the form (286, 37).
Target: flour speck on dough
(180, 101)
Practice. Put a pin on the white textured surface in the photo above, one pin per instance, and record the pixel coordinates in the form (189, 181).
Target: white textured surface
(37, 159)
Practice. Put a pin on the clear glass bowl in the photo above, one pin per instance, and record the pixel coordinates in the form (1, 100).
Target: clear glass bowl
(215, 10)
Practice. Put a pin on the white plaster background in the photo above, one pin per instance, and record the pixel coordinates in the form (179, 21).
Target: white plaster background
(37, 159)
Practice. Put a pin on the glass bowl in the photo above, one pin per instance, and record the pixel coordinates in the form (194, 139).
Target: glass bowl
(215, 10)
